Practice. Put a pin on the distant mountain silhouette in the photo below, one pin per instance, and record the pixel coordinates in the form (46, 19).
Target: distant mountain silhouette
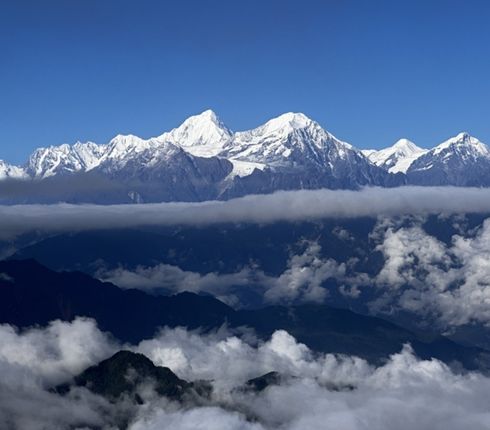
(31, 294)
(126, 371)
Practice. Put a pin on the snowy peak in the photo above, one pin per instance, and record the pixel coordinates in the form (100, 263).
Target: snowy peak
(45, 162)
(202, 135)
(202, 157)
(406, 147)
(285, 123)
(462, 142)
(396, 158)
(461, 160)
(123, 145)
(290, 140)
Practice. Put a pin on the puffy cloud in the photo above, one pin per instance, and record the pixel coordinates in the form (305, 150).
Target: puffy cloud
(230, 360)
(408, 252)
(406, 392)
(304, 277)
(57, 352)
(280, 206)
(447, 284)
(36, 359)
(328, 391)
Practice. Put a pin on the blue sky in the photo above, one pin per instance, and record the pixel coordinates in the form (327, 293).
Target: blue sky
(368, 71)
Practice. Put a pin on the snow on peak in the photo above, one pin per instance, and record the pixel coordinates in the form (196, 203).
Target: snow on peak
(45, 162)
(207, 114)
(202, 135)
(460, 141)
(406, 146)
(123, 145)
(281, 127)
(396, 158)
(464, 135)
(286, 122)
(291, 139)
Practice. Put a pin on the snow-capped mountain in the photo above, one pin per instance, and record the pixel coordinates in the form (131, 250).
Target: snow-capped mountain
(296, 152)
(64, 159)
(396, 158)
(283, 141)
(290, 140)
(461, 160)
(8, 171)
(203, 159)
(203, 135)
(123, 149)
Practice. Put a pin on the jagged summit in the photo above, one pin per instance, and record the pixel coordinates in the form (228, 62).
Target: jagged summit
(461, 160)
(64, 159)
(463, 139)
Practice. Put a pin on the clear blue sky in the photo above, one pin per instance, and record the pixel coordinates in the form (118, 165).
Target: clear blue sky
(368, 71)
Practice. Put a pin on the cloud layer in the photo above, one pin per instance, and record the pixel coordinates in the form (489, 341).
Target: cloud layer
(327, 391)
(280, 206)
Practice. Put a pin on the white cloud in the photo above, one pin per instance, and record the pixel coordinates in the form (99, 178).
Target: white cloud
(304, 277)
(405, 393)
(280, 206)
(36, 359)
(57, 352)
(301, 281)
(448, 284)
(173, 279)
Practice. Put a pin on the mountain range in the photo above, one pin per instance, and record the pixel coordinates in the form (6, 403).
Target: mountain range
(33, 295)
(203, 159)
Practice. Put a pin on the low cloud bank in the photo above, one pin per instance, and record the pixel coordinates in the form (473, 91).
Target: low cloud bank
(280, 206)
(301, 281)
(327, 391)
